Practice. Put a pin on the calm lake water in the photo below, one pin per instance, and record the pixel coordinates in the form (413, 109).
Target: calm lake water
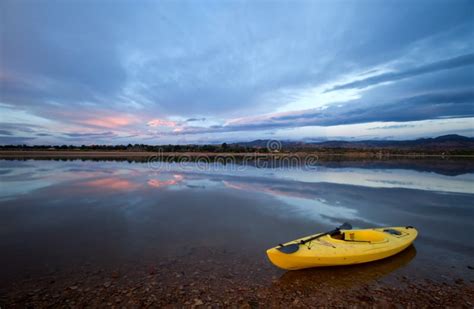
(60, 216)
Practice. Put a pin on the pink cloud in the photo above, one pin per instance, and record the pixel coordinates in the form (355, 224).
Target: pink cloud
(110, 121)
(161, 123)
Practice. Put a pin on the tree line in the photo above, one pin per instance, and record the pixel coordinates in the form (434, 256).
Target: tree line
(236, 148)
(224, 147)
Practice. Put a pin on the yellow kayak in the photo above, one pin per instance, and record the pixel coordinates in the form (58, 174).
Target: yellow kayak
(342, 247)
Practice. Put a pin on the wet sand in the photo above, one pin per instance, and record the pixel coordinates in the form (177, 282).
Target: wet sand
(210, 278)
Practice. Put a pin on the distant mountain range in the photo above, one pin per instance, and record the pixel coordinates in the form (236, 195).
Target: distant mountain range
(443, 145)
(445, 142)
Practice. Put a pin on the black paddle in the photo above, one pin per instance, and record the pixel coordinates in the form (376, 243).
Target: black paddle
(291, 248)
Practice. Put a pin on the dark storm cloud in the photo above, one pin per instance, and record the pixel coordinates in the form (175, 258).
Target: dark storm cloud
(5, 132)
(460, 61)
(195, 119)
(422, 107)
(63, 51)
(186, 61)
(90, 135)
(21, 127)
(15, 140)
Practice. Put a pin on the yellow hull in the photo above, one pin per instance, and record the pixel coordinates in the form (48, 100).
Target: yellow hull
(351, 247)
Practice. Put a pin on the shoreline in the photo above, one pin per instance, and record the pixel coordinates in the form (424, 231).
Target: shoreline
(144, 154)
(116, 290)
(446, 165)
(208, 280)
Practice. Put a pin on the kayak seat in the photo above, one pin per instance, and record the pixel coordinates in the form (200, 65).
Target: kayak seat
(364, 236)
(338, 235)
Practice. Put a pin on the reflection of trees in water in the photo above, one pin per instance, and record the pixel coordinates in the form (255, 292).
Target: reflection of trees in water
(346, 276)
(448, 167)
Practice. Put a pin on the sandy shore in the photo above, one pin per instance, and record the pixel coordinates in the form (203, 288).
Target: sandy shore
(219, 279)
(205, 281)
(119, 291)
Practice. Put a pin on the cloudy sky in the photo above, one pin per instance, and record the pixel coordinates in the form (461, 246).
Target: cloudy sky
(119, 72)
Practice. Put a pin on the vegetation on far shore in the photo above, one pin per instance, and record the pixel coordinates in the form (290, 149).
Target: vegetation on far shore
(222, 149)
(443, 145)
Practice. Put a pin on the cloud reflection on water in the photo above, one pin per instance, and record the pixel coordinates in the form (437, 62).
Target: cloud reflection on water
(131, 210)
(157, 183)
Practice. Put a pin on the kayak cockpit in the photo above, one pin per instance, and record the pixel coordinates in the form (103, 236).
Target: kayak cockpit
(368, 236)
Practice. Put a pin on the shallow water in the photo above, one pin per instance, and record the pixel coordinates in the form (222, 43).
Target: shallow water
(61, 216)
